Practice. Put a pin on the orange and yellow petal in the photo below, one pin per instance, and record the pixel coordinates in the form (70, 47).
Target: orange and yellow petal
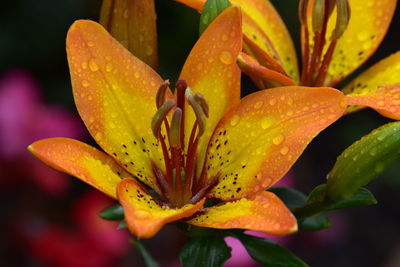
(143, 215)
(195, 4)
(115, 96)
(263, 212)
(257, 142)
(378, 88)
(211, 70)
(263, 25)
(368, 24)
(133, 24)
(82, 161)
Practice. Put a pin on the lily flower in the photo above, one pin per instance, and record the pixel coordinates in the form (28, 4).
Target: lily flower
(166, 154)
(337, 37)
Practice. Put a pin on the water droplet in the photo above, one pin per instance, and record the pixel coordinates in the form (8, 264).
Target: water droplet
(290, 101)
(258, 150)
(224, 37)
(363, 35)
(85, 83)
(381, 103)
(109, 67)
(277, 140)
(136, 74)
(373, 151)
(142, 214)
(226, 57)
(84, 65)
(289, 112)
(272, 102)
(284, 150)
(90, 43)
(266, 123)
(199, 66)
(93, 65)
(258, 104)
(149, 50)
(235, 120)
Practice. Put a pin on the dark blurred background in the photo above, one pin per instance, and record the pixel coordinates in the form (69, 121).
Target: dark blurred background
(48, 219)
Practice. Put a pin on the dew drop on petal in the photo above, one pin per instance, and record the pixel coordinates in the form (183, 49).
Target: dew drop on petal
(235, 120)
(284, 150)
(109, 67)
(226, 57)
(85, 83)
(90, 43)
(258, 104)
(93, 65)
(277, 140)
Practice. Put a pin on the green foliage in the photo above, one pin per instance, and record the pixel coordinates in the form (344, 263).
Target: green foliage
(318, 222)
(212, 8)
(291, 197)
(205, 251)
(363, 161)
(115, 212)
(150, 262)
(269, 253)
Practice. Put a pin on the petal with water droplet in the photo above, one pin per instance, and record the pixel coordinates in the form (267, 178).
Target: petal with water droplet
(82, 161)
(263, 212)
(251, 149)
(218, 80)
(378, 88)
(143, 214)
(116, 107)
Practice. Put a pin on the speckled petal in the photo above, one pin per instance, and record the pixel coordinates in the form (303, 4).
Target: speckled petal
(378, 87)
(368, 24)
(115, 96)
(263, 212)
(211, 70)
(133, 24)
(143, 215)
(256, 143)
(82, 161)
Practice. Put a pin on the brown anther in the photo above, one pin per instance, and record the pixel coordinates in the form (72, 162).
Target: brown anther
(161, 93)
(203, 103)
(318, 16)
(160, 115)
(343, 18)
(303, 11)
(175, 131)
(198, 110)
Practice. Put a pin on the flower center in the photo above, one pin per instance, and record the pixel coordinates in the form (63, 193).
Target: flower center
(179, 184)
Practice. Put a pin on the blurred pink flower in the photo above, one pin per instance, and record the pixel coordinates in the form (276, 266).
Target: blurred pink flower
(92, 242)
(24, 118)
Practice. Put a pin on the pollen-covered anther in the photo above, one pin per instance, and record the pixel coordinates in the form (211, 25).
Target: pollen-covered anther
(175, 132)
(203, 103)
(343, 18)
(161, 93)
(198, 110)
(160, 116)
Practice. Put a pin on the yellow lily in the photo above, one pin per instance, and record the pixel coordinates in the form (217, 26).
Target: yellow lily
(338, 36)
(164, 157)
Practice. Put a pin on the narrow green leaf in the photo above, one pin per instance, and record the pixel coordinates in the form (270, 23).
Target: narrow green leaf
(291, 197)
(205, 251)
(113, 213)
(122, 225)
(150, 262)
(314, 223)
(212, 8)
(269, 253)
(363, 161)
(362, 197)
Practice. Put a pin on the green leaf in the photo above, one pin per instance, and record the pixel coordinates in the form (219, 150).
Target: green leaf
(122, 225)
(205, 251)
(150, 262)
(291, 197)
(269, 253)
(212, 8)
(314, 223)
(363, 161)
(362, 197)
(115, 212)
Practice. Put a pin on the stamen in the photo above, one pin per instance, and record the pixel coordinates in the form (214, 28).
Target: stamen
(160, 115)
(343, 18)
(162, 90)
(318, 15)
(198, 111)
(203, 103)
(175, 131)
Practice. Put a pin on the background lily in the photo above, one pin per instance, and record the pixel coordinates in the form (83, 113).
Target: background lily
(337, 38)
(242, 148)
